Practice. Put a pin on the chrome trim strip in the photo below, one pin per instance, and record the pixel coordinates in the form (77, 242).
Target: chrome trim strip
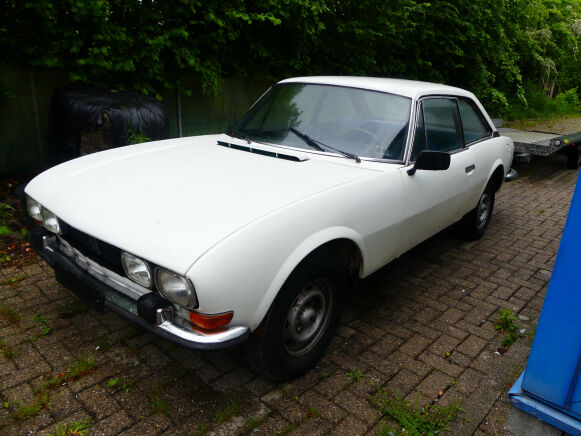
(164, 323)
(121, 284)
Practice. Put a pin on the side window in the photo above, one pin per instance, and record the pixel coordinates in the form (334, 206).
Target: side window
(443, 132)
(420, 136)
(474, 126)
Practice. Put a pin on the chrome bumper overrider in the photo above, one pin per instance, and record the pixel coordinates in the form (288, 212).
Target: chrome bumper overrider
(122, 295)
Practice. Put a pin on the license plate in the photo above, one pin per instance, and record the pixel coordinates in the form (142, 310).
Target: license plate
(81, 289)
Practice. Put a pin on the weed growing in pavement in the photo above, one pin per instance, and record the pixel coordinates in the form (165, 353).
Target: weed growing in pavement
(253, 422)
(42, 321)
(9, 314)
(201, 430)
(312, 412)
(125, 386)
(287, 429)
(413, 420)
(7, 351)
(23, 411)
(14, 279)
(81, 367)
(231, 407)
(74, 428)
(78, 369)
(354, 374)
(158, 404)
(505, 320)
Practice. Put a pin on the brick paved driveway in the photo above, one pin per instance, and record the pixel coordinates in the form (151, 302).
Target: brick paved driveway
(421, 327)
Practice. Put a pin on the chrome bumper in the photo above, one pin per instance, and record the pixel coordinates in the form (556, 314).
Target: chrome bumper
(107, 288)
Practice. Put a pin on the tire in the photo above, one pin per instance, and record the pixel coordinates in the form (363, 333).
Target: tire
(303, 318)
(574, 157)
(475, 223)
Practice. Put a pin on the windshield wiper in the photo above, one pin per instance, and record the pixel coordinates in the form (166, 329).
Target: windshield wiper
(234, 132)
(319, 145)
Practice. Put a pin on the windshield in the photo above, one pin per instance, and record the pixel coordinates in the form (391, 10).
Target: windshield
(364, 123)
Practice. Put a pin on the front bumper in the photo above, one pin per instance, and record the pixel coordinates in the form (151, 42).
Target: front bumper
(102, 288)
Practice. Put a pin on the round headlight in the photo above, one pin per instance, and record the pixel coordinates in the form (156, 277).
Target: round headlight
(136, 269)
(50, 221)
(175, 288)
(34, 209)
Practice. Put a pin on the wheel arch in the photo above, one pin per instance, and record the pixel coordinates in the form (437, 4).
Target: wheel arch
(496, 178)
(346, 242)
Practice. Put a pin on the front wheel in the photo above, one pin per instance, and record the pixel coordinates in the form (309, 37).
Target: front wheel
(303, 317)
(474, 223)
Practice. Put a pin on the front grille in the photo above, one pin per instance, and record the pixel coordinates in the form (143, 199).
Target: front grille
(104, 254)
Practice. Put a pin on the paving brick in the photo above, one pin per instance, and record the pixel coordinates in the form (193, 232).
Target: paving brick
(441, 363)
(414, 346)
(98, 402)
(472, 346)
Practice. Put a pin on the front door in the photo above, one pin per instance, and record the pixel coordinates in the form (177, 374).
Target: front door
(436, 199)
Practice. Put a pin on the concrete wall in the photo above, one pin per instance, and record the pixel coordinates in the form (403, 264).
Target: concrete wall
(24, 107)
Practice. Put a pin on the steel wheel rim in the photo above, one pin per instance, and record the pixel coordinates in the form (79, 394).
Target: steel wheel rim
(308, 317)
(483, 210)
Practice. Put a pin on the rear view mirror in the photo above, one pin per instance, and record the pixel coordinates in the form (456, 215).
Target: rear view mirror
(431, 161)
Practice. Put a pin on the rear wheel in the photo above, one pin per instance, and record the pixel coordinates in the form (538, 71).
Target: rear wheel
(303, 317)
(475, 223)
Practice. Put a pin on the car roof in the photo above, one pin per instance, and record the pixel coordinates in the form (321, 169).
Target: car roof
(407, 88)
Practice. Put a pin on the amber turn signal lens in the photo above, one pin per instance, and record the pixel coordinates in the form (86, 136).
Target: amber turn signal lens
(210, 322)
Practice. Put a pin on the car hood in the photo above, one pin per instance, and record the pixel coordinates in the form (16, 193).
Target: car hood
(171, 201)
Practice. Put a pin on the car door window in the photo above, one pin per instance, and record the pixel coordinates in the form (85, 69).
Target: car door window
(442, 120)
(474, 126)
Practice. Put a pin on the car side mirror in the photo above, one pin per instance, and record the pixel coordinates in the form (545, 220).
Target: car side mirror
(431, 161)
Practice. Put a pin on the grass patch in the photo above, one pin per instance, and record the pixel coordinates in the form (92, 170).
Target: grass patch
(157, 403)
(81, 367)
(124, 385)
(287, 429)
(77, 370)
(74, 428)
(312, 412)
(42, 321)
(7, 350)
(9, 314)
(23, 411)
(412, 419)
(14, 279)
(354, 374)
(253, 422)
(230, 408)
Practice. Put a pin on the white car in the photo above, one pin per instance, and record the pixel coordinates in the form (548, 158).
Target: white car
(205, 240)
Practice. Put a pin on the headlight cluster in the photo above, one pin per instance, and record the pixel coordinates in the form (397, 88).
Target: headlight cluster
(48, 219)
(176, 288)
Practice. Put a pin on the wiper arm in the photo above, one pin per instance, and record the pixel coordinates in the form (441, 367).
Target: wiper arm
(234, 132)
(319, 145)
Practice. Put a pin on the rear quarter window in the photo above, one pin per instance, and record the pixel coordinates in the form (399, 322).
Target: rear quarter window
(473, 123)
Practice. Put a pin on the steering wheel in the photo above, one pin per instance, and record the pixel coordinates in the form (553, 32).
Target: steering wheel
(375, 143)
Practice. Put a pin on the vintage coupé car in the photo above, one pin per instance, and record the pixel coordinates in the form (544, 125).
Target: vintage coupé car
(205, 240)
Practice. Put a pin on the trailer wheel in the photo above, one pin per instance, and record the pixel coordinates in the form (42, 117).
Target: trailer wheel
(574, 157)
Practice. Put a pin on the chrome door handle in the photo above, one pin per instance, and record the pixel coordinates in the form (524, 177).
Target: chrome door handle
(469, 168)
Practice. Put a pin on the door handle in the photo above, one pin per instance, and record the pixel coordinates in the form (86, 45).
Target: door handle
(469, 168)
